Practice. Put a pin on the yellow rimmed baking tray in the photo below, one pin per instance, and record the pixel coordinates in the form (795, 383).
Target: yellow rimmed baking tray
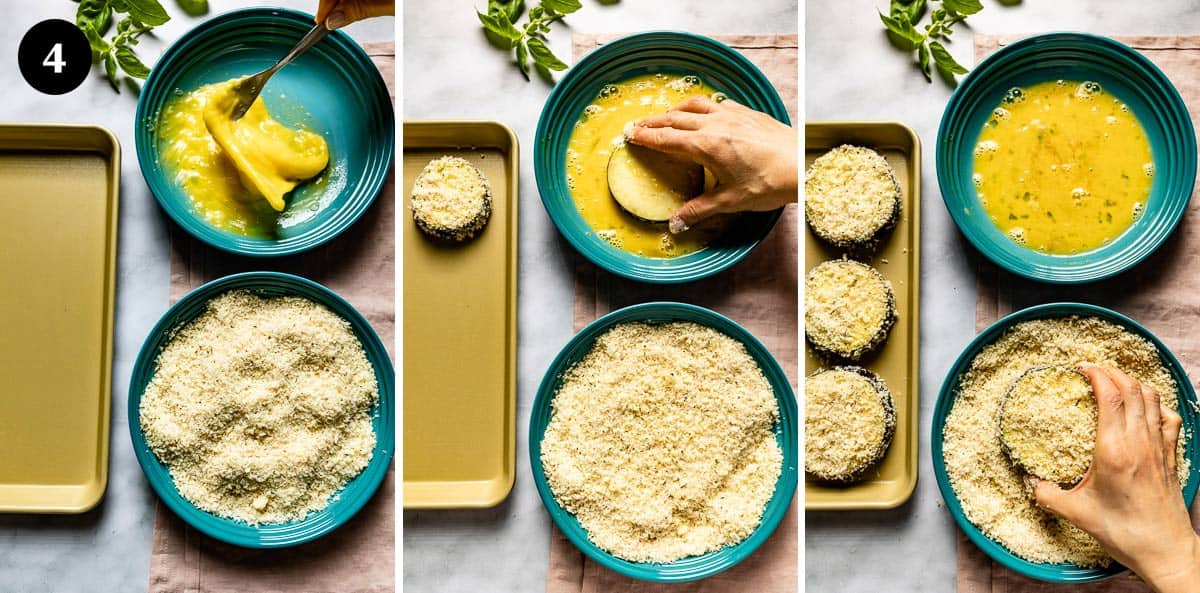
(460, 330)
(898, 258)
(58, 241)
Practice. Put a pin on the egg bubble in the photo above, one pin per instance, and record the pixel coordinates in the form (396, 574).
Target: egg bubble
(1087, 91)
(1148, 169)
(609, 91)
(718, 96)
(986, 147)
(1013, 96)
(1017, 234)
(977, 179)
(1000, 113)
(610, 236)
(1138, 209)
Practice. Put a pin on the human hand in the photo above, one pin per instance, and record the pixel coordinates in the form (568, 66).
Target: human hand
(1130, 499)
(339, 13)
(753, 156)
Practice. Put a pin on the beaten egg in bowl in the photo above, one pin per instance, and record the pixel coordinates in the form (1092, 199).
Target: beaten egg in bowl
(237, 174)
(600, 132)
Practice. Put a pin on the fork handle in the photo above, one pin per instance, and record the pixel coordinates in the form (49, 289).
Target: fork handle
(310, 39)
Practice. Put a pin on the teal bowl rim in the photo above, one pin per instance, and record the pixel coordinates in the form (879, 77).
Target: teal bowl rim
(363, 190)
(695, 567)
(345, 503)
(580, 85)
(1055, 573)
(1169, 196)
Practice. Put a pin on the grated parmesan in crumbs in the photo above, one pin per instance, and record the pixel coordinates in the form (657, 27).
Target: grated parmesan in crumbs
(992, 492)
(662, 442)
(261, 408)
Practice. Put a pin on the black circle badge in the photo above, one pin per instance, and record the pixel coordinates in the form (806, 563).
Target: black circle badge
(54, 57)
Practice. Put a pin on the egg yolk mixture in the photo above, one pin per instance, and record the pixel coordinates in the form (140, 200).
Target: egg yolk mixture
(236, 172)
(599, 131)
(1063, 167)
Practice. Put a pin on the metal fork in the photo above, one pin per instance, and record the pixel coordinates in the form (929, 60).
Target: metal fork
(249, 88)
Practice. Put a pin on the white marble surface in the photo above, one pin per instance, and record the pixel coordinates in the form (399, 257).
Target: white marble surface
(853, 73)
(451, 72)
(107, 549)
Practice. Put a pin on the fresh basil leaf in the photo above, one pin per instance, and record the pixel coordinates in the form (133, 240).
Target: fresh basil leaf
(523, 60)
(562, 6)
(946, 64)
(110, 68)
(147, 11)
(515, 8)
(99, 45)
(902, 28)
(963, 7)
(542, 56)
(915, 11)
(500, 25)
(97, 13)
(193, 7)
(130, 63)
(923, 59)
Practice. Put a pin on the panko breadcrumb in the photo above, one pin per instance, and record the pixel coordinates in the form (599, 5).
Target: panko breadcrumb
(662, 442)
(992, 491)
(851, 197)
(261, 407)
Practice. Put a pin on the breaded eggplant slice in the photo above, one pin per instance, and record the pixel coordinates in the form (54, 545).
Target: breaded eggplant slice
(851, 197)
(451, 199)
(849, 309)
(1048, 423)
(849, 420)
(652, 185)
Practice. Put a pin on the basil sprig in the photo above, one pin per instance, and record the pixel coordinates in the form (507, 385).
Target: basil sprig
(96, 18)
(902, 22)
(527, 41)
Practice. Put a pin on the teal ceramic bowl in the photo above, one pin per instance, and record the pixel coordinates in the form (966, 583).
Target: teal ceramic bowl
(1055, 573)
(344, 503)
(718, 65)
(695, 567)
(333, 89)
(1121, 71)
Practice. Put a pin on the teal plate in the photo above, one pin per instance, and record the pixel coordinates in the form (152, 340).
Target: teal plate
(694, 567)
(345, 503)
(1055, 573)
(334, 90)
(1121, 71)
(720, 67)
